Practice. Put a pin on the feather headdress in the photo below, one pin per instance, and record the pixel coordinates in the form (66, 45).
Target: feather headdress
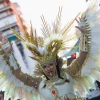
(45, 49)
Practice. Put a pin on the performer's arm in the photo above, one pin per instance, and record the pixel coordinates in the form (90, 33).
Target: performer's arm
(27, 79)
(76, 65)
(7, 59)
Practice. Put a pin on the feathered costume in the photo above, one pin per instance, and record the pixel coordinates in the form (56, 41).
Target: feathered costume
(45, 50)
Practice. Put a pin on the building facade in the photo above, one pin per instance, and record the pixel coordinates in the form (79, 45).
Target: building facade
(9, 15)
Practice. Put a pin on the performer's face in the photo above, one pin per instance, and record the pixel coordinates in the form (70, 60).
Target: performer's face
(49, 69)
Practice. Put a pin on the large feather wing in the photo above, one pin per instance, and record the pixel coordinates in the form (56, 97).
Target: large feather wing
(91, 67)
(13, 87)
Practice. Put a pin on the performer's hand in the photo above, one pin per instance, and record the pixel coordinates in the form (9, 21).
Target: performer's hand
(81, 25)
(3, 42)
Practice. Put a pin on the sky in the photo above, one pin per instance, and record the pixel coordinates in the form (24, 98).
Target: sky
(33, 9)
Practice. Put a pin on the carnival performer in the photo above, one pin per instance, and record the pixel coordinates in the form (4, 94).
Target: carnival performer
(50, 79)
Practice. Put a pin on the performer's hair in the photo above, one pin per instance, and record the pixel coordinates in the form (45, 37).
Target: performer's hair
(59, 62)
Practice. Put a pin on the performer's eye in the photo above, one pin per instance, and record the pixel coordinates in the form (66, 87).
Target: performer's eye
(51, 63)
(44, 66)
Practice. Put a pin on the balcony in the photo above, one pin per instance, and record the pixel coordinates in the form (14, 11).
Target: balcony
(11, 25)
(7, 20)
(5, 8)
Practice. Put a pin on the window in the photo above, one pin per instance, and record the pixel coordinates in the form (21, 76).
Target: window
(3, 14)
(8, 31)
(15, 28)
(6, 22)
(1, 5)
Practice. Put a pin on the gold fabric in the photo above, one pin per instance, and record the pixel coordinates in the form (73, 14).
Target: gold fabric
(74, 69)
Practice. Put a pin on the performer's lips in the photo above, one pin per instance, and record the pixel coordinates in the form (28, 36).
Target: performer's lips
(49, 72)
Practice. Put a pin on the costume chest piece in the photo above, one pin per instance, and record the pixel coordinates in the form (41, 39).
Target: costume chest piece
(57, 89)
(55, 92)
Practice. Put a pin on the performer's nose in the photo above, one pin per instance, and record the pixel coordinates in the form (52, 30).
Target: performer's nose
(48, 67)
